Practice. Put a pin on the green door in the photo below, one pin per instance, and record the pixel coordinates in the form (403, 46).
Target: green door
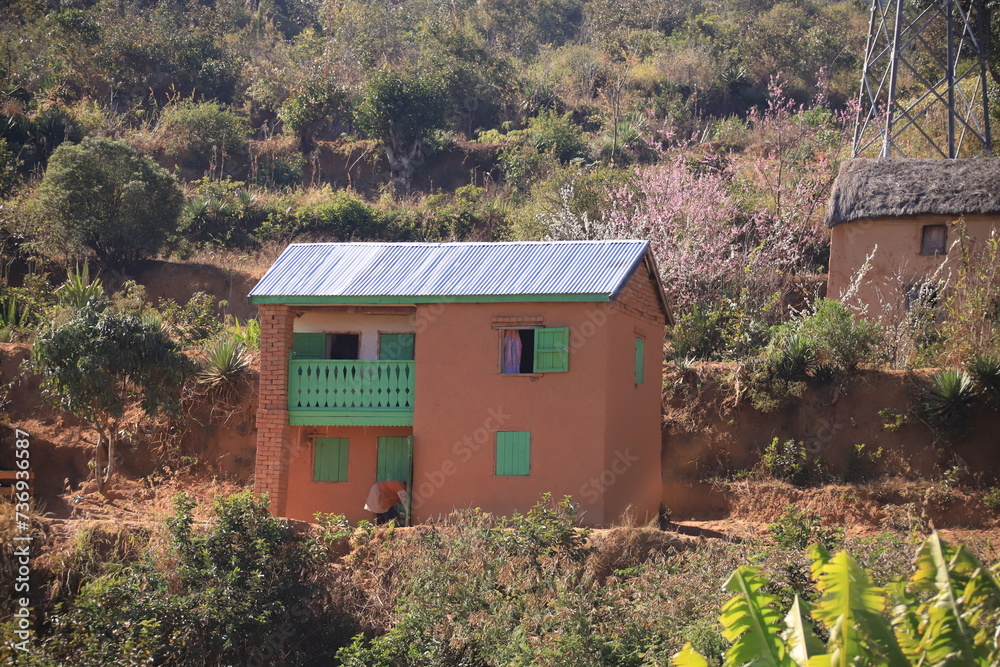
(395, 347)
(394, 459)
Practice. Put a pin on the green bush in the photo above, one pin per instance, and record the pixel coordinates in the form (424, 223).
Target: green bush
(791, 462)
(9, 164)
(221, 213)
(79, 291)
(984, 370)
(840, 338)
(698, 333)
(101, 195)
(195, 133)
(794, 358)
(233, 594)
(342, 216)
(991, 498)
(767, 388)
(797, 529)
(551, 132)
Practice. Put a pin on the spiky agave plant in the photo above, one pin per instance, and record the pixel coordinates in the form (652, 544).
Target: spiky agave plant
(225, 363)
(985, 372)
(79, 290)
(948, 401)
(794, 358)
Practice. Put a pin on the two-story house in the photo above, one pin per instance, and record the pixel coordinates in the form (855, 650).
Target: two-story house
(482, 374)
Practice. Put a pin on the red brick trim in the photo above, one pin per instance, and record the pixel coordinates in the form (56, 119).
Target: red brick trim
(640, 297)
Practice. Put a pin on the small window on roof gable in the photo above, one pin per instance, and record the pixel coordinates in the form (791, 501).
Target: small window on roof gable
(934, 240)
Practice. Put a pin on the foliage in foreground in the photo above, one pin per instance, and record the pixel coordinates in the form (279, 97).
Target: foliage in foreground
(945, 614)
(470, 589)
(234, 594)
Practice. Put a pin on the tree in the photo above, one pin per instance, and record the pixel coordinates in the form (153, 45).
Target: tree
(401, 111)
(103, 196)
(98, 363)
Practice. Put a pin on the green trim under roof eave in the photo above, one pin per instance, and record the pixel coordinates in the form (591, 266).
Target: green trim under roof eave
(395, 300)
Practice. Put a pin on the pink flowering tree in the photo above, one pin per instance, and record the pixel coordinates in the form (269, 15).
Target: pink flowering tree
(688, 216)
(740, 225)
(784, 177)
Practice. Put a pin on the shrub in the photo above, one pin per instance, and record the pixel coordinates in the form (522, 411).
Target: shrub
(8, 169)
(861, 462)
(196, 321)
(947, 403)
(797, 529)
(991, 498)
(14, 315)
(222, 212)
(247, 333)
(226, 362)
(698, 333)
(791, 462)
(767, 389)
(794, 357)
(984, 370)
(236, 593)
(195, 133)
(102, 196)
(341, 216)
(840, 337)
(79, 291)
(550, 132)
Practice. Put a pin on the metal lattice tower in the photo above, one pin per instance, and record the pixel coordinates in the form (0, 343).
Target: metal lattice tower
(923, 84)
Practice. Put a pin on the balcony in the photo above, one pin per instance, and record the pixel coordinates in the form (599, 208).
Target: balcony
(326, 392)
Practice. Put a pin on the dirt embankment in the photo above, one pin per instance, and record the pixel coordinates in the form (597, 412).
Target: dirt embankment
(708, 434)
(204, 448)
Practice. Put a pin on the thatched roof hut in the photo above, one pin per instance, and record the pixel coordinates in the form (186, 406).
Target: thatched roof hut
(895, 187)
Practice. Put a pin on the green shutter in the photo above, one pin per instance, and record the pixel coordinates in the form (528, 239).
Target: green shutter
(309, 345)
(640, 349)
(396, 347)
(393, 459)
(513, 452)
(552, 350)
(330, 460)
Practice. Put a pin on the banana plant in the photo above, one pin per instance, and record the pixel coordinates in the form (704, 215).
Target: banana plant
(945, 614)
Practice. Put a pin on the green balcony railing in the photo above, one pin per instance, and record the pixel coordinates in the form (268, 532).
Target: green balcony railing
(350, 393)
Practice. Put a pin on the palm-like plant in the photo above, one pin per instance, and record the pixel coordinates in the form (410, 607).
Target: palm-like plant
(224, 365)
(943, 615)
(794, 358)
(948, 402)
(985, 373)
(79, 290)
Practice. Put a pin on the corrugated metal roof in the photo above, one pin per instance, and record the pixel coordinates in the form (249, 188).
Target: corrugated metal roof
(452, 269)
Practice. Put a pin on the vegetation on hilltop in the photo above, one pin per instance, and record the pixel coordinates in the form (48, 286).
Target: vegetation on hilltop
(712, 128)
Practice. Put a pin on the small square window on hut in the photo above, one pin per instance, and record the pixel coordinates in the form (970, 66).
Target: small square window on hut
(934, 239)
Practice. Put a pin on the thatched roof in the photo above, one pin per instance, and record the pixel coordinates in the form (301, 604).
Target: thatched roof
(894, 187)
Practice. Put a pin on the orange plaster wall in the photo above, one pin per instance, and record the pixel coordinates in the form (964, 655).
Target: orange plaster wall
(630, 481)
(461, 400)
(306, 497)
(898, 254)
